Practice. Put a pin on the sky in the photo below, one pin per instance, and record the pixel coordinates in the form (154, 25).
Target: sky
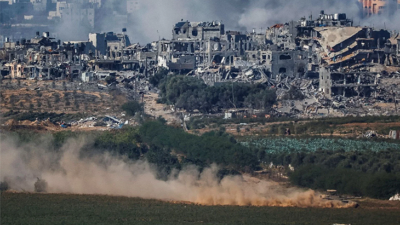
(155, 18)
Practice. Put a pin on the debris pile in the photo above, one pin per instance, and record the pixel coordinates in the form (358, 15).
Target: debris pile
(340, 69)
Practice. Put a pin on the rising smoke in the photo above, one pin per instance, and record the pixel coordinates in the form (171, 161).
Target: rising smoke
(153, 15)
(67, 171)
(155, 18)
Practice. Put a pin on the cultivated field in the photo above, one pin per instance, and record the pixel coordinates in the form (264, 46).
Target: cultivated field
(27, 208)
(57, 97)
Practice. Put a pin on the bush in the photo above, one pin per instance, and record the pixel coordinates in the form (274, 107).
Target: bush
(212, 147)
(132, 107)
(158, 77)
(347, 181)
(191, 93)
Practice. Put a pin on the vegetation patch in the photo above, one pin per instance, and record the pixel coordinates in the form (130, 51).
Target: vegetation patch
(289, 145)
(192, 94)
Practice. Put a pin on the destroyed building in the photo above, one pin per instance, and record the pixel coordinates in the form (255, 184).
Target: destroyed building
(108, 44)
(41, 58)
(342, 56)
(346, 84)
(287, 63)
(343, 47)
(197, 44)
(327, 59)
(200, 30)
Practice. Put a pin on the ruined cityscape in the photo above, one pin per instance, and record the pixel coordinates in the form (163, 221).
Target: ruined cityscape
(340, 69)
(305, 103)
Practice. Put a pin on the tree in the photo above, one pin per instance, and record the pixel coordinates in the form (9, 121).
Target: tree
(132, 107)
(162, 120)
(158, 77)
(191, 93)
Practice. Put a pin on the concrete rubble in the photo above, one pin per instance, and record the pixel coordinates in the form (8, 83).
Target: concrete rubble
(340, 69)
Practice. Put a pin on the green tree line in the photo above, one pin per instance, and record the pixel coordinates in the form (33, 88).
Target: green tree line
(191, 93)
(347, 181)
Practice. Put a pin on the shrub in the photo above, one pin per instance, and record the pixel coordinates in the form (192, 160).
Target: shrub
(158, 77)
(132, 107)
(347, 181)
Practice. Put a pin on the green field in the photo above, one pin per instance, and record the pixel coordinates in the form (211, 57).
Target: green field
(25, 208)
(290, 145)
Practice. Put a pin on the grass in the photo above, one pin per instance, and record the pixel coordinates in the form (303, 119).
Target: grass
(26, 208)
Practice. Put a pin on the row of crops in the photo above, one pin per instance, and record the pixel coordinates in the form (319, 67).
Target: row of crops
(287, 145)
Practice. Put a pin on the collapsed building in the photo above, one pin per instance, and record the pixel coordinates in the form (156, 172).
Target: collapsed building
(38, 58)
(327, 58)
(297, 49)
(199, 44)
(44, 58)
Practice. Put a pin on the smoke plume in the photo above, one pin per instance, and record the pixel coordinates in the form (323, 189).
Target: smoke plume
(149, 20)
(155, 18)
(158, 15)
(67, 171)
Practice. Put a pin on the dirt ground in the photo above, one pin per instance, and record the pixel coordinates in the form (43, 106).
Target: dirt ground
(155, 109)
(258, 129)
(57, 97)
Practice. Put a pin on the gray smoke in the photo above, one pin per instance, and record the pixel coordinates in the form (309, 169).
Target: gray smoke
(161, 15)
(155, 18)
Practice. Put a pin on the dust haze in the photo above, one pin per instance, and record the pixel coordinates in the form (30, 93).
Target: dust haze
(153, 19)
(66, 171)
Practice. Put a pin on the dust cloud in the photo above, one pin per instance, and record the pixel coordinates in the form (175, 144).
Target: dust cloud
(67, 171)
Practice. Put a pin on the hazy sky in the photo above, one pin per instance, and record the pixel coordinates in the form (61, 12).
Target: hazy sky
(154, 18)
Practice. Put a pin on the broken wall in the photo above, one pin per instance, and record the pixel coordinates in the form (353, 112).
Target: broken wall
(289, 63)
